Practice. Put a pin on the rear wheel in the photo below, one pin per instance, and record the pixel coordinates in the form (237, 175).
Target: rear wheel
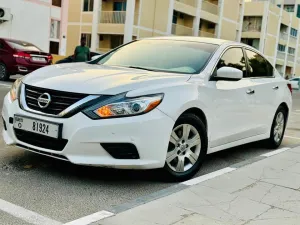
(3, 72)
(278, 128)
(187, 148)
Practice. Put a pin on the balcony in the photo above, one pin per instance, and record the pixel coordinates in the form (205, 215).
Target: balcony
(281, 55)
(210, 7)
(291, 58)
(283, 36)
(252, 28)
(181, 30)
(206, 34)
(117, 17)
(192, 3)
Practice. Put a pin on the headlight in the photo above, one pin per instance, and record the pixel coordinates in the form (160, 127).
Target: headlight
(121, 106)
(15, 89)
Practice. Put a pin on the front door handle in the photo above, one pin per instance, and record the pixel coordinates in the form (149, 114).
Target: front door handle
(250, 92)
(275, 88)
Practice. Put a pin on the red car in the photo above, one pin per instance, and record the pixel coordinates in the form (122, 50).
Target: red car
(20, 57)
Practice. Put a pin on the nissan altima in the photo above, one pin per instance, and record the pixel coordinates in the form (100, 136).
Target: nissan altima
(162, 102)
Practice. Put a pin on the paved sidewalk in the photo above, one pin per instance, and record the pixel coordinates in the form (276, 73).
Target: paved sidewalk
(261, 193)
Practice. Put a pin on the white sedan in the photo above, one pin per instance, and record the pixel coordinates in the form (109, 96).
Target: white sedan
(162, 102)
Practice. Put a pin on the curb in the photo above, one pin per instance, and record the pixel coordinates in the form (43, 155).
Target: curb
(113, 211)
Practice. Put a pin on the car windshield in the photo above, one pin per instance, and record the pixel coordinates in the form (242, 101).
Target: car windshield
(162, 55)
(19, 45)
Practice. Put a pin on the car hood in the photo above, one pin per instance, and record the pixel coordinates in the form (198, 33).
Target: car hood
(97, 79)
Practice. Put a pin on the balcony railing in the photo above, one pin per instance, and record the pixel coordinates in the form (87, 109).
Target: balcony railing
(210, 7)
(206, 34)
(283, 36)
(281, 55)
(181, 30)
(291, 58)
(252, 28)
(188, 2)
(117, 17)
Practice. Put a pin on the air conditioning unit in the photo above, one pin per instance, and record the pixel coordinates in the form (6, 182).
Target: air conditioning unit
(5, 14)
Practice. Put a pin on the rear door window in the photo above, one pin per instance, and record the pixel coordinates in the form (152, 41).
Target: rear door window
(258, 65)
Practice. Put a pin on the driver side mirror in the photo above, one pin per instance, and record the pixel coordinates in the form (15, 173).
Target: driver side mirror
(229, 73)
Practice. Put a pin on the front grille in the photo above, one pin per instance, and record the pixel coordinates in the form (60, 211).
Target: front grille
(60, 100)
(40, 140)
(121, 150)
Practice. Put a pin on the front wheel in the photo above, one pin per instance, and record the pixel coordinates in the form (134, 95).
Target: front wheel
(187, 148)
(278, 128)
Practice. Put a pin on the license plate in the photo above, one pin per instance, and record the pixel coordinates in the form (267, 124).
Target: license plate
(37, 126)
(38, 59)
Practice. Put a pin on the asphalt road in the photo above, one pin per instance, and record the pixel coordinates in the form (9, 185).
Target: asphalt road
(65, 192)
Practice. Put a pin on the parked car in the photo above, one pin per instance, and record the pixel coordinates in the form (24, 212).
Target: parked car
(154, 103)
(69, 59)
(20, 57)
(295, 82)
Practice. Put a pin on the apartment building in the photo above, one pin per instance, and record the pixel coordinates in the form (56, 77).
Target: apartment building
(273, 28)
(41, 22)
(110, 23)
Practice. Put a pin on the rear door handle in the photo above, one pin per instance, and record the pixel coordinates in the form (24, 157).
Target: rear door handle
(276, 88)
(250, 92)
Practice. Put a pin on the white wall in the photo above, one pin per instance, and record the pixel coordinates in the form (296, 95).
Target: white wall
(31, 22)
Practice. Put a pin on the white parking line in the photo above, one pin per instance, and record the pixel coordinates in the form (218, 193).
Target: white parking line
(275, 152)
(91, 218)
(208, 176)
(292, 137)
(26, 215)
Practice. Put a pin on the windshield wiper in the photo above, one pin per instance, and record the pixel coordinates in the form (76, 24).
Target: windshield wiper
(141, 68)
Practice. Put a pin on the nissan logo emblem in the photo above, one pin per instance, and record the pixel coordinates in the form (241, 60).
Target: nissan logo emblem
(44, 100)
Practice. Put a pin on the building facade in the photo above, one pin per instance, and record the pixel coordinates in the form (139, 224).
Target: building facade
(272, 26)
(110, 23)
(40, 22)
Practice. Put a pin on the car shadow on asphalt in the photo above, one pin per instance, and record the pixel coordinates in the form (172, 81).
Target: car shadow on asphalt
(27, 161)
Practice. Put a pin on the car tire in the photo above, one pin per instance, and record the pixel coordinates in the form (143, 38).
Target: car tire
(187, 148)
(278, 128)
(3, 72)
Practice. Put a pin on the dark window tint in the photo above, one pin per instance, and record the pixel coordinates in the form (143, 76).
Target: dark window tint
(233, 57)
(258, 66)
(1, 45)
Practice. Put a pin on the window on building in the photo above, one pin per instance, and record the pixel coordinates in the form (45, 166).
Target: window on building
(88, 39)
(298, 11)
(259, 66)
(233, 57)
(291, 51)
(119, 6)
(281, 48)
(56, 3)
(289, 8)
(88, 5)
(55, 29)
(175, 16)
(294, 32)
(279, 6)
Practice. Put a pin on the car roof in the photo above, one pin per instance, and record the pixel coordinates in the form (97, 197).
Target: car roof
(194, 39)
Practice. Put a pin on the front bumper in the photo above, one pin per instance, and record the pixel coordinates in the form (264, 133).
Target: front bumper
(149, 133)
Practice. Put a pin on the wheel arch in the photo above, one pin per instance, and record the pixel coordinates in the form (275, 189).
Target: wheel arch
(199, 113)
(285, 106)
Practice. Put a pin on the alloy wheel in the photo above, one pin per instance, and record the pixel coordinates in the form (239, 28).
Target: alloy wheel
(184, 148)
(2, 71)
(279, 127)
